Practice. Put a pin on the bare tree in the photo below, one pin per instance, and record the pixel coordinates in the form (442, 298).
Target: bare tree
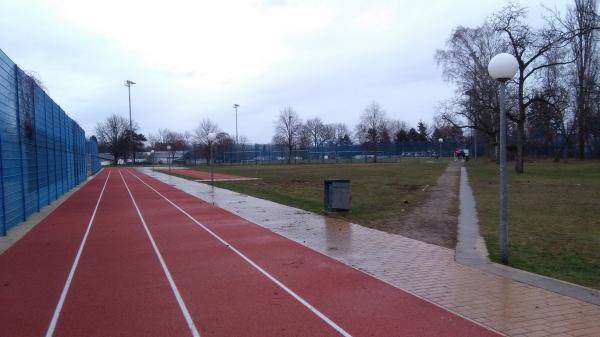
(395, 126)
(222, 143)
(464, 63)
(113, 135)
(371, 128)
(201, 133)
(342, 134)
(165, 137)
(244, 143)
(288, 128)
(155, 139)
(319, 134)
(582, 17)
(529, 46)
(552, 111)
(201, 144)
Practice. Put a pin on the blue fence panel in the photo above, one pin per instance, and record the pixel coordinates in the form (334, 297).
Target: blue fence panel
(7, 106)
(95, 162)
(26, 120)
(58, 139)
(12, 171)
(51, 156)
(69, 151)
(42, 150)
(63, 151)
(41, 138)
(69, 162)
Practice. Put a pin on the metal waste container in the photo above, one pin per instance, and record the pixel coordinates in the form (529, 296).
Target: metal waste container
(337, 195)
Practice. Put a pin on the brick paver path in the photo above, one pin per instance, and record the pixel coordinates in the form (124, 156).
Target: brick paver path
(426, 270)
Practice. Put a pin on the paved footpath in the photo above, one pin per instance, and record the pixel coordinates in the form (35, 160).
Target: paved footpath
(426, 270)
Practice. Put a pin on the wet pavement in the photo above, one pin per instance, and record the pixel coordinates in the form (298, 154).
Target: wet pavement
(425, 270)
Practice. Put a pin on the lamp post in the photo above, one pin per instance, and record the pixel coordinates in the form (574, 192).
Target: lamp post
(211, 138)
(236, 106)
(169, 159)
(440, 140)
(502, 68)
(152, 154)
(128, 84)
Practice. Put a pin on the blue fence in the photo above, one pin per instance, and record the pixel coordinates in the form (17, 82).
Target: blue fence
(383, 152)
(43, 152)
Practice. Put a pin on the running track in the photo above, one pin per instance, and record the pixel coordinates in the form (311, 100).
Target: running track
(127, 255)
(202, 175)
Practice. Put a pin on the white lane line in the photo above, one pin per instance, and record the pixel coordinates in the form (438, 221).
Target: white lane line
(65, 291)
(256, 266)
(182, 306)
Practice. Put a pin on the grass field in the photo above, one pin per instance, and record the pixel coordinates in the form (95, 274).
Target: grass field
(379, 191)
(554, 217)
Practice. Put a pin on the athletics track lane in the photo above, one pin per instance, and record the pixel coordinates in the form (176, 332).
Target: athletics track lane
(225, 295)
(119, 288)
(33, 270)
(359, 303)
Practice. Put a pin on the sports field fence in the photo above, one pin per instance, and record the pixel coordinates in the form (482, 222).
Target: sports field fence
(43, 152)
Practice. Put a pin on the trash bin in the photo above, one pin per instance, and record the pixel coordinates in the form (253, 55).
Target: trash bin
(337, 195)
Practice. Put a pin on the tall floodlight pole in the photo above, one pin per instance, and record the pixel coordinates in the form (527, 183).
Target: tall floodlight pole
(502, 68)
(236, 106)
(128, 84)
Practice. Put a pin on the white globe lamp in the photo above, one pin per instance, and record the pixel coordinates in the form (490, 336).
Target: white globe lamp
(503, 67)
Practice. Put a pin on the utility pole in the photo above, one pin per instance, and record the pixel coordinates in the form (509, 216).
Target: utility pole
(128, 84)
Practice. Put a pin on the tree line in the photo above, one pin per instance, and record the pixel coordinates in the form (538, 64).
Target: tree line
(113, 138)
(374, 131)
(554, 100)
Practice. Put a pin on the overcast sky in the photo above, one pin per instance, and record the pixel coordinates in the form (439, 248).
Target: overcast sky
(195, 59)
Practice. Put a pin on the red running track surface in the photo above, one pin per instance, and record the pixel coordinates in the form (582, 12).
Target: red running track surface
(202, 175)
(210, 273)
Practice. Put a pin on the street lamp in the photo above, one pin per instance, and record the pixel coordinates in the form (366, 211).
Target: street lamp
(128, 84)
(211, 138)
(440, 140)
(502, 68)
(152, 154)
(169, 159)
(236, 106)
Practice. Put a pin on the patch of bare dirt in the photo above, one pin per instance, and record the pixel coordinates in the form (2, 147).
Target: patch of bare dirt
(435, 221)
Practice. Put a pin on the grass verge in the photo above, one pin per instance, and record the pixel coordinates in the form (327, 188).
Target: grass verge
(379, 191)
(554, 217)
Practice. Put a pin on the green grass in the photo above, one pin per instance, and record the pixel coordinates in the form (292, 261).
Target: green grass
(554, 217)
(378, 190)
